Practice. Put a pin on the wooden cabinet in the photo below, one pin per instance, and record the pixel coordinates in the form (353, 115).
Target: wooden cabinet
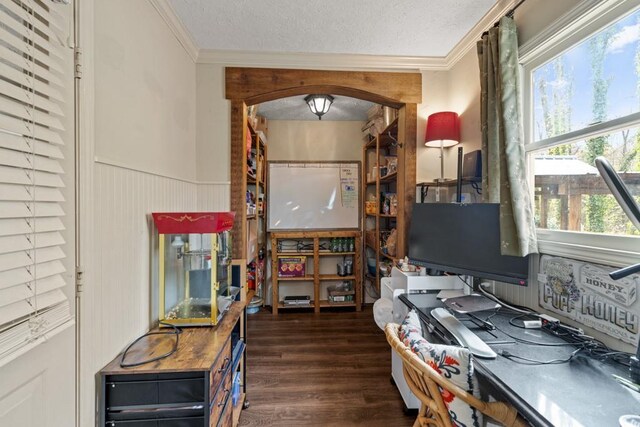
(190, 388)
(388, 194)
(319, 268)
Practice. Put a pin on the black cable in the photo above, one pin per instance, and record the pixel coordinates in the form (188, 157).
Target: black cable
(424, 192)
(176, 331)
(476, 187)
(526, 361)
(590, 345)
(465, 282)
(523, 341)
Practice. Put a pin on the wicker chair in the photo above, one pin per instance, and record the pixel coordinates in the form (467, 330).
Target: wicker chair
(424, 382)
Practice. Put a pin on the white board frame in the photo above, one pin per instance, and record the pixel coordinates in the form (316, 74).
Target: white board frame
(303, 164)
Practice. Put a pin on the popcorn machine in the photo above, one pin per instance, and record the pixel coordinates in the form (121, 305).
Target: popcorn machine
(194, 261)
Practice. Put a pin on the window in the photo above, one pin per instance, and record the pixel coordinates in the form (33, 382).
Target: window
(36, 114)
(582, 100)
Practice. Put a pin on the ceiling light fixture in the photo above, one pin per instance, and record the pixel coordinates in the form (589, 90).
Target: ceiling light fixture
(319, 104)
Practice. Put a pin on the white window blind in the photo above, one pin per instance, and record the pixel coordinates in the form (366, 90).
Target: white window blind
(33, 54)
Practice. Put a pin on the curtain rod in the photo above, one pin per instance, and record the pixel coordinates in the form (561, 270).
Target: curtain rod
(509, 14)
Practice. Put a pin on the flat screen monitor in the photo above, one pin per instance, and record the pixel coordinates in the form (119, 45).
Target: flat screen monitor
(463, 239)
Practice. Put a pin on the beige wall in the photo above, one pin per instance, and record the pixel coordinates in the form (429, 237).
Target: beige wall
(145, 146)
(535, 15)
(212, 125)
(435, 97)
(459, 89)
(304, 140)
(145, 91)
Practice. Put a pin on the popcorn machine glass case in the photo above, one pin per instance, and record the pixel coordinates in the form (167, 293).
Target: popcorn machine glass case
(194, 260)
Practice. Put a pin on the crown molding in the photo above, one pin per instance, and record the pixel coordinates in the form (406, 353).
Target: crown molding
(469, 41)
(357, 62)
(177, 28)
(320, 60)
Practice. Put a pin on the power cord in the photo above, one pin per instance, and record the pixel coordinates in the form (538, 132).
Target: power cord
(526, 361)
(466, 283)
(176, 331)
(499, 301)
(476, 187)
(573, 336)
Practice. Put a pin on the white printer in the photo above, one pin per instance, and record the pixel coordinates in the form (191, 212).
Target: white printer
(402, 282)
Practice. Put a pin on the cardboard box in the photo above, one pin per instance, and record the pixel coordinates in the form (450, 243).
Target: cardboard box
(292, 266)
(262, 125)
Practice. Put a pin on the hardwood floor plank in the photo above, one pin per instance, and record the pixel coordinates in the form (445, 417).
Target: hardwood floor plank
(325, 369)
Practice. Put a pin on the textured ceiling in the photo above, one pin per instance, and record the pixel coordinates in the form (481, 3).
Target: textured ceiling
(294, 108)
(372, 27)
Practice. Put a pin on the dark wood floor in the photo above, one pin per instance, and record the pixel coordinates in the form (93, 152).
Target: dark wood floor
(327, 369)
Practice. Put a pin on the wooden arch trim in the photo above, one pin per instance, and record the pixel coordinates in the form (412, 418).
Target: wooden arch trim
(257, 85)
(250, 86)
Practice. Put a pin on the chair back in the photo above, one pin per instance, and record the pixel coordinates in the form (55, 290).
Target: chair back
(427, 385)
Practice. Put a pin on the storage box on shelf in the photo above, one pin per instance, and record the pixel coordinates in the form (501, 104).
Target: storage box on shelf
(320, 262)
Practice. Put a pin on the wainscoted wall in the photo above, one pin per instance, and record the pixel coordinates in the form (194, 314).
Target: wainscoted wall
(118, 283)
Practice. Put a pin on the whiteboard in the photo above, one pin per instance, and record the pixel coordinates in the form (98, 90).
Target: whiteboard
(313, 196)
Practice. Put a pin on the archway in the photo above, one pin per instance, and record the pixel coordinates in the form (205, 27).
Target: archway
(250, 86)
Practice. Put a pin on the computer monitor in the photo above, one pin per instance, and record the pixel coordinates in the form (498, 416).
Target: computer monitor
(463, 239)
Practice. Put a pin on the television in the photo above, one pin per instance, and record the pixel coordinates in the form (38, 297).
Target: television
(463, 239)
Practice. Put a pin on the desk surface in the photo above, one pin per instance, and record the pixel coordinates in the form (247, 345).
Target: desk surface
(578, 393)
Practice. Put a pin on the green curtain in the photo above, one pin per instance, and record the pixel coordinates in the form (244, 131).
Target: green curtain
(504, 176)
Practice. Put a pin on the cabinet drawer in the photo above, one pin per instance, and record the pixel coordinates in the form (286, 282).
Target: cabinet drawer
(171, 422)
(226, 419)
(135, 392)
(220, 399)
(219, 369)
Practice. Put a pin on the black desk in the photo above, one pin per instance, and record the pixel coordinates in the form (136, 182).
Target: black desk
(578, 393)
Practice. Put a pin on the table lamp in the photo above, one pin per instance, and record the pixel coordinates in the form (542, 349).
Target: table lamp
(443, 130)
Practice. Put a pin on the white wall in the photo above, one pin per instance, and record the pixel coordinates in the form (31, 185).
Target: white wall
(213, 119)
(141, 125)
(311, 140)
(145, 90)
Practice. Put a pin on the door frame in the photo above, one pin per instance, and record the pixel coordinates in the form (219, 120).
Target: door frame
(250, 86)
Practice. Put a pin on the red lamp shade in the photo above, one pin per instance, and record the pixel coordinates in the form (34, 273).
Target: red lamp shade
(443, 126)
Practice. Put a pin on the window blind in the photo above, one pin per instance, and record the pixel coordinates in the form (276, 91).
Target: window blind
(33, 112)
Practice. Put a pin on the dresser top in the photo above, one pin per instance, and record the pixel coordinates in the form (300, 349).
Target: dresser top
(198, 348)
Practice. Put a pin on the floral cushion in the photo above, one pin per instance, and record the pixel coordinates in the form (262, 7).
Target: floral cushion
(453, 363)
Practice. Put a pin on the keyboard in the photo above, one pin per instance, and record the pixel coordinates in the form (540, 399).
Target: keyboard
(462, 334)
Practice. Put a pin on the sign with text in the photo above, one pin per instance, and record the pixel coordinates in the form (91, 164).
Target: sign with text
(585, 293)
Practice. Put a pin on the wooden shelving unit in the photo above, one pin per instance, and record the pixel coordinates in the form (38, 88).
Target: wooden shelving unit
(389, 142)
(256, 183)
(315, 276)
